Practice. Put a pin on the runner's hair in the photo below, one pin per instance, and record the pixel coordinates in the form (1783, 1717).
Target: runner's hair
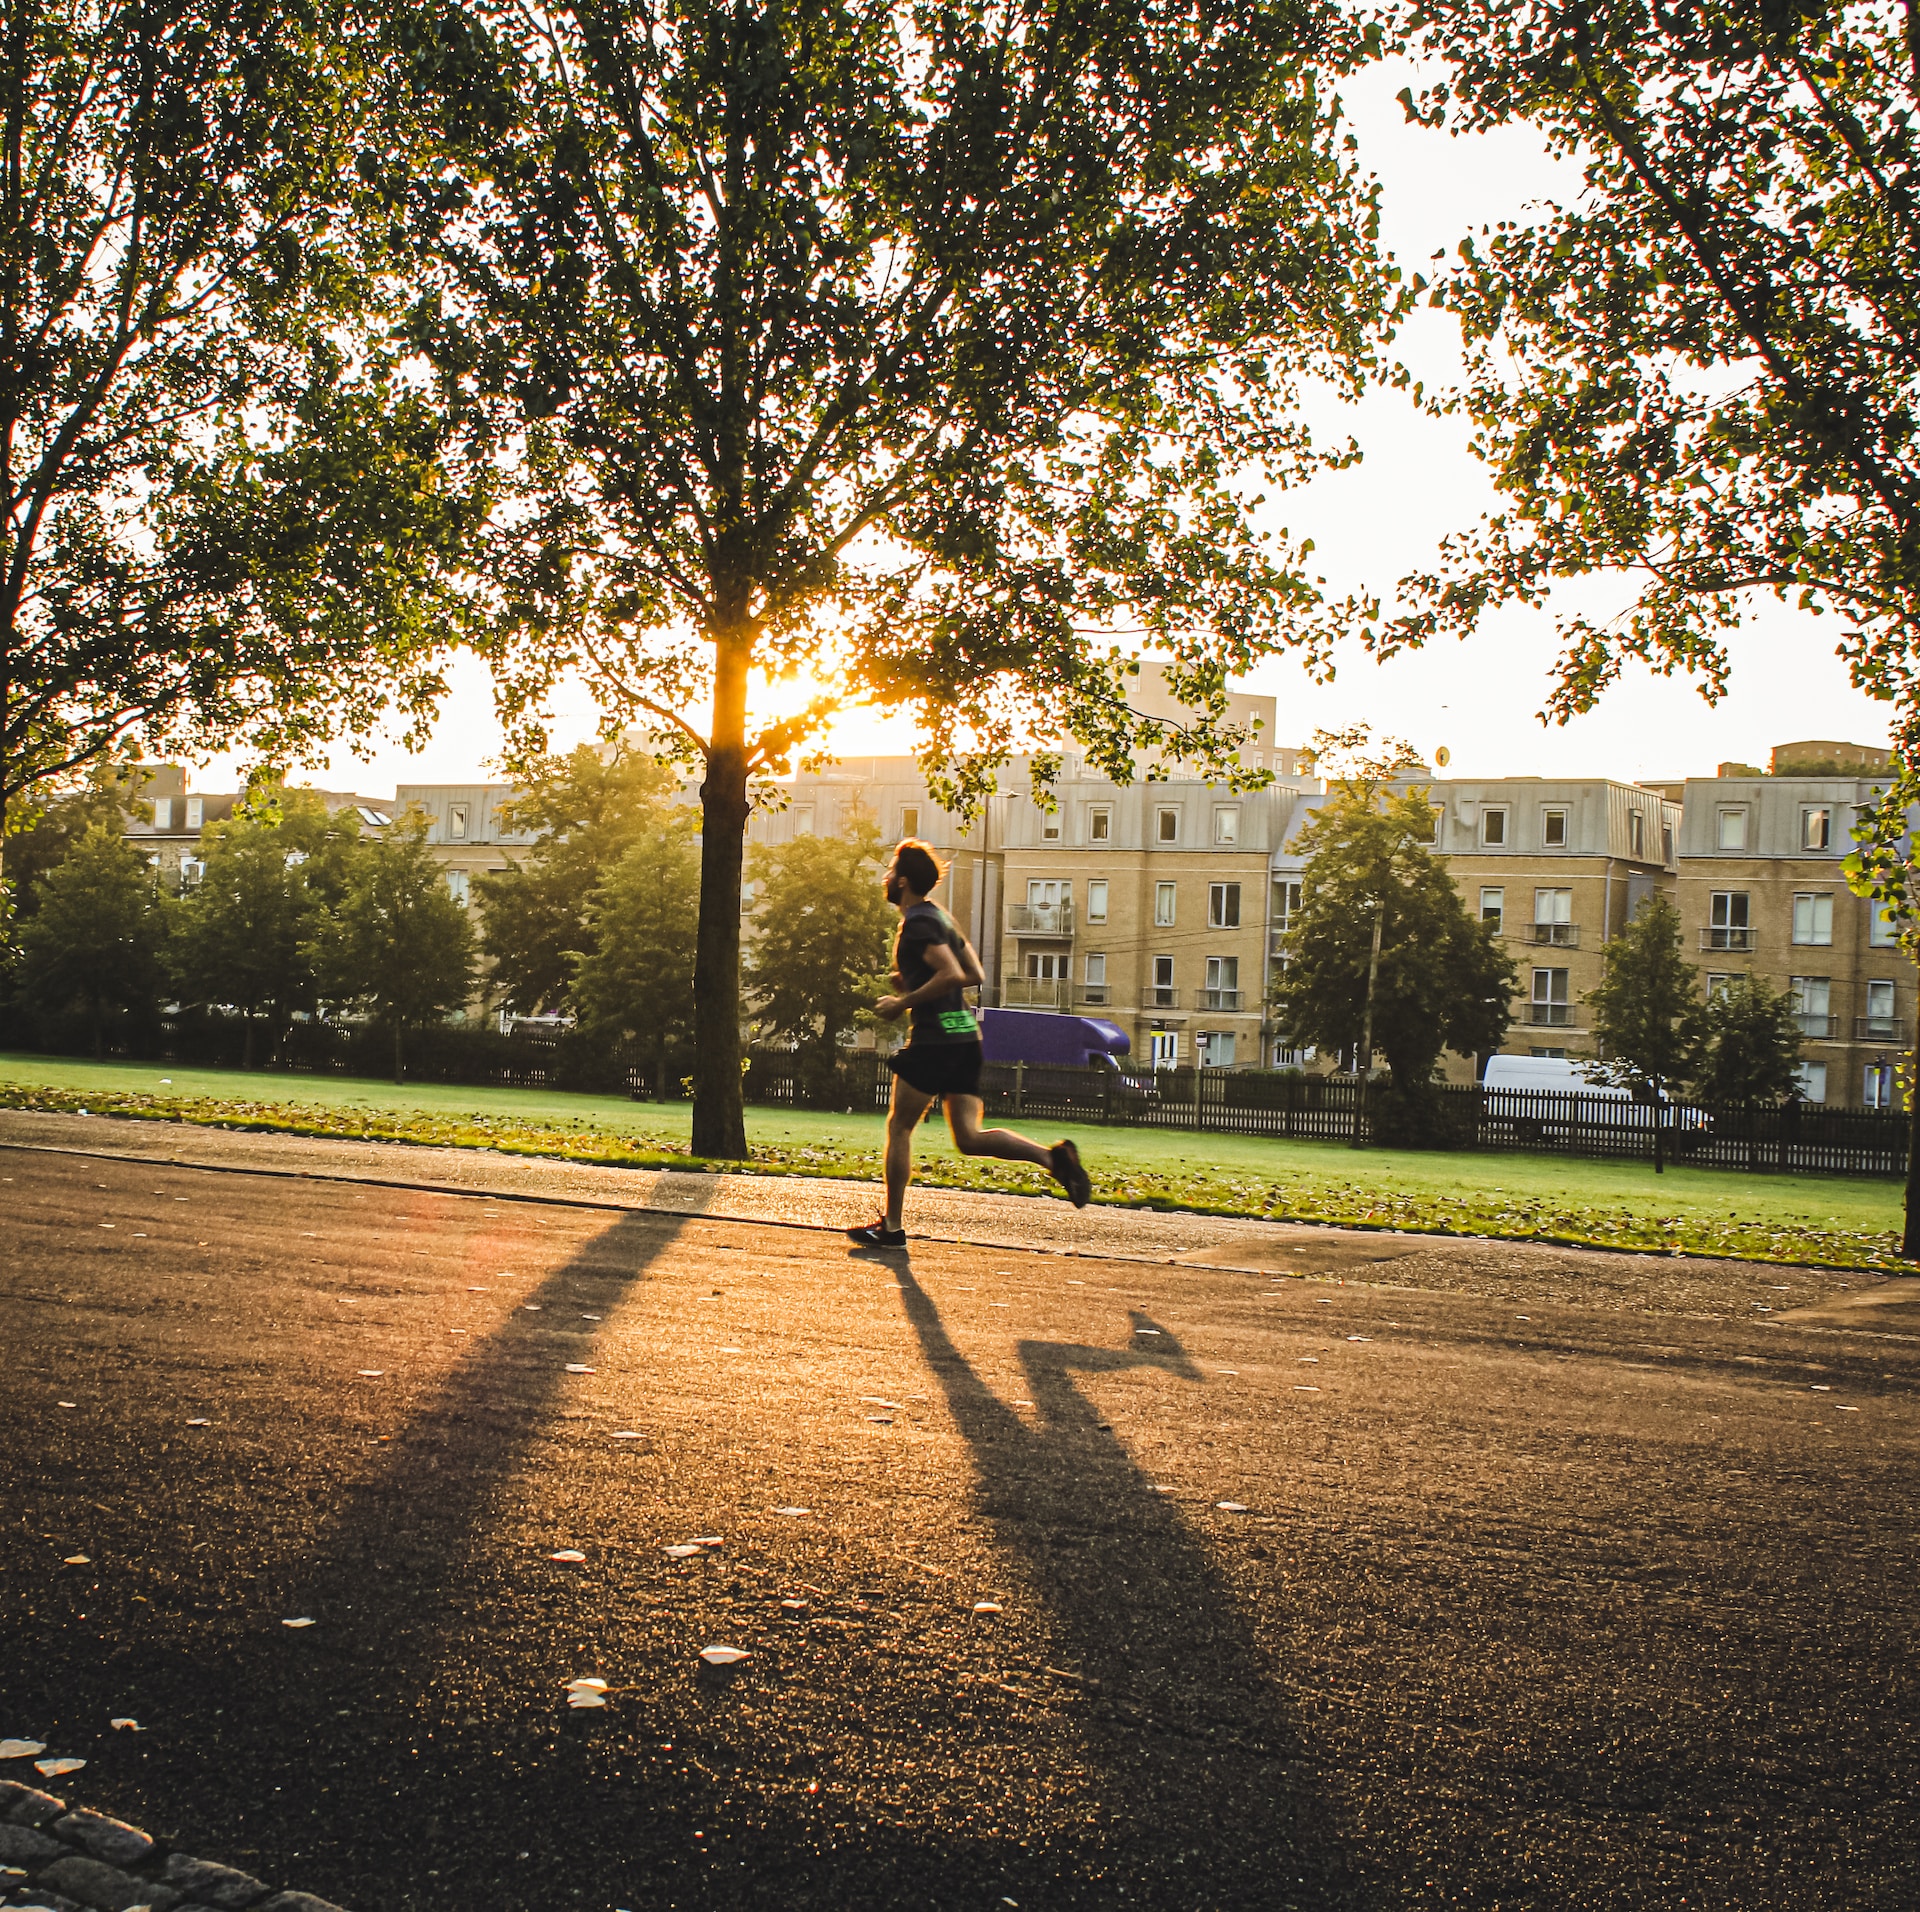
(917, 867)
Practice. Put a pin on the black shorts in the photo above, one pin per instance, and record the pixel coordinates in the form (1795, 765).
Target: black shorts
(939, 1068)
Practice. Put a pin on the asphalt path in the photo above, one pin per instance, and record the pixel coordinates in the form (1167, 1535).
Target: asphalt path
(1547, 1604)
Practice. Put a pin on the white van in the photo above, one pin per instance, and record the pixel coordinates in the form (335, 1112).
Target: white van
(1550, 1074)
(1558, 1075)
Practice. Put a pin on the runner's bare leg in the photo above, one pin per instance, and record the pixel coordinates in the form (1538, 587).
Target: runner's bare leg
(903, 1117)
(963, 1123)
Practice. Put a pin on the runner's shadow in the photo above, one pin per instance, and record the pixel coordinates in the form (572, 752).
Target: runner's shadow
(1214, 1800)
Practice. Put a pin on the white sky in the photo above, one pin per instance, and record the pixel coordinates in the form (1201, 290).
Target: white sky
(1371, 525)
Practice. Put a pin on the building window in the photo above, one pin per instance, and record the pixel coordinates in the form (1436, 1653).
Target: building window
(1883, 931)
(1096, 991)
(1637, 833)
(196, 812)
(1813, 1081)
(163, 813)
(191, 871)
(1813, 918)
(457, 822)
(1666, 843)
(1047, 965)
(1549, 1003)
(1216, 1048)
(1553, 916)
(1097, 900)
(1226, 824)
(1163, 904)
(1286, 902)
(1881, 1024)
(1163, 1047)
(1816, 826)
(460, 887)
(1100, 823)
(1877, 1090)
(1553, 829)
(910, 820)
(1552, 1055)
(1223, 906)
(1718, 982)
(1493, 909)
(1812, 1002)
(1728, 926)
(1166, 826)
(802, 819)
(1049, 826)
(1730, 831)
(1493, 827)
(1160, 993)
(1223, 983)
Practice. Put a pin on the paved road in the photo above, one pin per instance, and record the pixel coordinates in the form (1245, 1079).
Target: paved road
(1545, 1605)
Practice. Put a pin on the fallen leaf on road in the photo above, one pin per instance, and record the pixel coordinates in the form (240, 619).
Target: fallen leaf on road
(571, 1555)
(723, 1655)
(709, 1540)
(126, 1726)
(685, 1552)
(1235, 1372)
(873, 1400)
(1146, 1330)
(53, 1768)
(627, 1434)
(78, 1560)
(21, 1748)
(1300, 1387)
(588, 1317)
(370, 1374)
(1310, 1360)
(200, 1423)
(1359, 1337)
(794, 1606)
(988, 1606)
(792, 1513)
(1230, 1506)
(586, 1699)
(587, 1683)
(303, 1622)
(531, 1307)
(475, 1291)
(1845, 1409)
(733, 1350)
(66, 1404)
(1819, 1387)
(578, 1367)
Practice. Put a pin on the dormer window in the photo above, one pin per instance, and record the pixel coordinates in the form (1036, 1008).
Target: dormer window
(1493, 828)
(1553, 829)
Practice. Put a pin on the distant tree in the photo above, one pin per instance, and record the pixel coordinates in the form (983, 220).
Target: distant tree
(97, 935)
(44, 823)
(1647, 1016)
(399, 945)
(1443, 980)
(635, 978)
(1750, 1045)
(820, 933)
(587, 809)
(246, 932)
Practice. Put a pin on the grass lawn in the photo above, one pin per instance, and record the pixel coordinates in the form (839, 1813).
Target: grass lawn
(1819, 1219)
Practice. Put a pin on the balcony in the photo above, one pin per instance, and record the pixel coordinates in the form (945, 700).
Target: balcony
(1554, 935)
(1036, 992)
(1040, 919)
(1554, 1015)
(1812, 1023)
(1160, 996)
(1888, 1029)
(1095, 996)
(1217, 999)
(1728, 936)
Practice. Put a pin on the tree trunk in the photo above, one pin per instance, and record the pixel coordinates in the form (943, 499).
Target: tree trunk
(1910, 1236)
(1659, 1128)
(719, 1110)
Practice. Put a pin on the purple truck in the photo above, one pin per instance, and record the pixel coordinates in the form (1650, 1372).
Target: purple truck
(1066, 1042)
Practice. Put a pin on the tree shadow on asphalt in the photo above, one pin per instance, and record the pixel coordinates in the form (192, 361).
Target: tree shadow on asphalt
(1213, 1799)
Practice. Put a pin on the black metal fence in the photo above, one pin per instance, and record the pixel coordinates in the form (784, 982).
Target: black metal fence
(1793, 1137)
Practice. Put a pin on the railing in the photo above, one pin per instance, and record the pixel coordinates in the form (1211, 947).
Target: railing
(1554, 1015)
(1040, 919)
(1217, 999)
(1555, 935)
(1159, 996)
(1812, 1023)
(1729, 936)
(1888, 1029)
(1036, 992)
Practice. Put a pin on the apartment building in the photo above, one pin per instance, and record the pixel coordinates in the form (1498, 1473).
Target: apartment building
(170, 837)
(465, 830)
(1761, 890)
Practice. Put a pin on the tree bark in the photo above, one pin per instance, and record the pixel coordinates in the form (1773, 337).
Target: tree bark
(719, 1110)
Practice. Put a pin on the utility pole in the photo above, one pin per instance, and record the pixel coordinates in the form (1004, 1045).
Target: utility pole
(1363, 1063)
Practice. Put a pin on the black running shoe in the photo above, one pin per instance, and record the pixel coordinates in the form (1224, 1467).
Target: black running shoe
(1070, 1175)
(876, 1234)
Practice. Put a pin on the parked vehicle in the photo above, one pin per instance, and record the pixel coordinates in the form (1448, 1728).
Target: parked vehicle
(1535, 1076)
(1043, 1039)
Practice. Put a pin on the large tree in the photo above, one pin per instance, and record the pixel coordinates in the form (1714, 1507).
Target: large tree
(585, 810)
(1749, 1045)
(821, 928)
(1441, 981)
(1648, 1019)
(913, 348)
(220, 512)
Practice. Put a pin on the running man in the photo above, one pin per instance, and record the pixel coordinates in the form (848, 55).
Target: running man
(933, 968)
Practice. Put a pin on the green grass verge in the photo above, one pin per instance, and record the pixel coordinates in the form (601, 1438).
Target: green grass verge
(1814, 1220)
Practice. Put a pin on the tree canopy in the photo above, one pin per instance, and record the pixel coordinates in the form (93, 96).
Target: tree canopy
(1444, 982)
(1648, 1019)
(1749, 1044)
(914, 349)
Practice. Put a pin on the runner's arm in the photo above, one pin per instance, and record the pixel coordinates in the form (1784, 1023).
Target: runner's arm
(947, 976)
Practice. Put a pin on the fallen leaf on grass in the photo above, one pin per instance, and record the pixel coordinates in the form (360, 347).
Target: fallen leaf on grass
(201, 1422)
(626, 1434)
(874, 1400)
(792, 1513)
(571, 1555)
(723, 1655)
(78, 1560)
(370, 1374)
(302, 1622)
(53, 1768)
(1300, 1387)
(709, 1540)
(587, 1692)
(126, 1726)
(685, 1552)
(578, 1367)
(21, 1748)
(988, 1606)
(794, 1606)
(1231, 1506)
